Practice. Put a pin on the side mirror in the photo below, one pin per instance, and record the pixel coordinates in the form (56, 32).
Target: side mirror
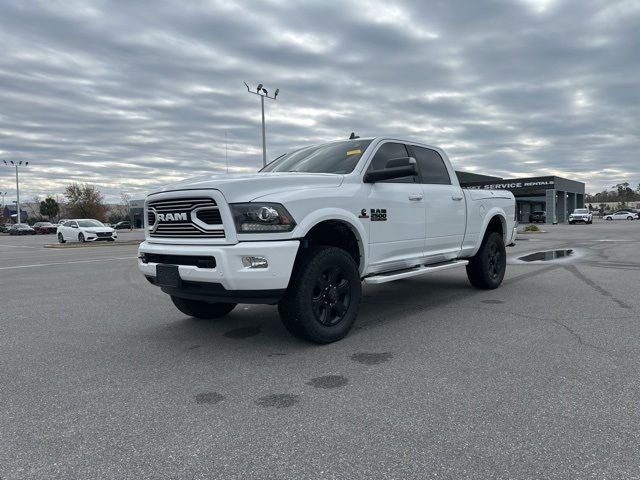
(396, 168)
(400, 162)
(74, 226)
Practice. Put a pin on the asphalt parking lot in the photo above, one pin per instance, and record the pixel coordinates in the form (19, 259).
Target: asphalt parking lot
(101, 377)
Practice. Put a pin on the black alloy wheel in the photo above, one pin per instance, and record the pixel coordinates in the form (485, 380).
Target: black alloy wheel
(494, 259)
(323, 297)
(331, 296)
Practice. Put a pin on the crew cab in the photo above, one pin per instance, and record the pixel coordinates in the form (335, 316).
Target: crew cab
(308, 229)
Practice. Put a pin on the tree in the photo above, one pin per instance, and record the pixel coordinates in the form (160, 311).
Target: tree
(49, 208)
(85, 201)
(625, 193)
(126, 204)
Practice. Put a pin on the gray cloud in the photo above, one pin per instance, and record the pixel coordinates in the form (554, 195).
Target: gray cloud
(130, 95)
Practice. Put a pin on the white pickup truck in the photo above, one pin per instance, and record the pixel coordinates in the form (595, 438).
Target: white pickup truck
(308, 229)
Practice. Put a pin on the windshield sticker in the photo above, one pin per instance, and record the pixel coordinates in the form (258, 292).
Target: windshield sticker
(354, 152)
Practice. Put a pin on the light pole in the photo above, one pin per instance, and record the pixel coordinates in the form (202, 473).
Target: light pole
(3, 194)
(262, 96)
(17, 164)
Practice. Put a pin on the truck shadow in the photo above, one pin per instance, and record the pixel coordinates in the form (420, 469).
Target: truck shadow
(259, 326)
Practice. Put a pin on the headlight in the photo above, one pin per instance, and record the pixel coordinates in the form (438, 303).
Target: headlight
(261, 218)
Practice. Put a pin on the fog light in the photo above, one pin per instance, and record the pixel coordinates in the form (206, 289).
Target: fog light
(255, 262)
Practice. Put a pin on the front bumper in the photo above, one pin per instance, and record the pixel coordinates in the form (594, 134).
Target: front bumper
(229, 272)
(92, 237)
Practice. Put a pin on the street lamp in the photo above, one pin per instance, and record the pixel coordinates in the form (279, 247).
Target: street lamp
(263, 95)
(17, 164)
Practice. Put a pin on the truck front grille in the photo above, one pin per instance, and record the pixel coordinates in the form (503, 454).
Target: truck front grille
(184, 218)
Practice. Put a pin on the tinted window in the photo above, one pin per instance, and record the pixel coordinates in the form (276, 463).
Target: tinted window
(337, 157)
(67, 224)
(386, 152)
(431, 166)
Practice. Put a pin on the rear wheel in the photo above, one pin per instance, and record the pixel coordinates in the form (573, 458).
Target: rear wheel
(323, 298)
(486, 268)
(629, 218)
(203, 310)
(61, 238)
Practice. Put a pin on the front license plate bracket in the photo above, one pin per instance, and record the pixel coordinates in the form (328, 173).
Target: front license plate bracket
(168, 276)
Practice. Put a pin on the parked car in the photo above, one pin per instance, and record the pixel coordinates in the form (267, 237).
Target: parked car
(581, 215)
(21, 229)
(314, 224)
(44, 227)
(538, 216)
(622, 215)
(122, 225)
(85, 230)
(4, 228)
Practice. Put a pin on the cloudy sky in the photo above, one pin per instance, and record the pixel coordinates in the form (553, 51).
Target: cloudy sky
(129, 95)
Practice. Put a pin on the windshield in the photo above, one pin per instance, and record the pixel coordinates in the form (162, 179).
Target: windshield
(581, 210)
(90, 223)
(336, 157)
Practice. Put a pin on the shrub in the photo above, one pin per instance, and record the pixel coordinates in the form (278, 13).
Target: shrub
(531, 228)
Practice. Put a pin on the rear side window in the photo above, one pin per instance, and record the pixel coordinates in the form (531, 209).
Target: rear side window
(386, 152)
(431, 166)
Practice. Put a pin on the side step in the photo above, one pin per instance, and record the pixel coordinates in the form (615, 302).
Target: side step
(414, 272)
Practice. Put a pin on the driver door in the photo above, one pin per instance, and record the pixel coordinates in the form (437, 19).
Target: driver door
(68, 231)
(396, 212)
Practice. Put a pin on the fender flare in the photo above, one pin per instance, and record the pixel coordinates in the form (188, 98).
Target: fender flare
(493, 212)
(339, 215)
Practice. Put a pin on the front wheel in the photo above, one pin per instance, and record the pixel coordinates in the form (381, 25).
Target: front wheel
(81, 238)
(61, 238)
(629, 218)
(486, 268)
(323, 298)
(203, 310)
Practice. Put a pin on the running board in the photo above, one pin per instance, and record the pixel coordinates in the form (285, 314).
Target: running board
(414, 272)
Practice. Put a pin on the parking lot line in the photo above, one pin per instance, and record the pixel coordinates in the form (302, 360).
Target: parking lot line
(67, 263)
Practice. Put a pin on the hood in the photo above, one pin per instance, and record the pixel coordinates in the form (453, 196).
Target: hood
(245, 187)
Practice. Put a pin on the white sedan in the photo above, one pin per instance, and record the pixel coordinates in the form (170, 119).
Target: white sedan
(85, 230)
(622, 215)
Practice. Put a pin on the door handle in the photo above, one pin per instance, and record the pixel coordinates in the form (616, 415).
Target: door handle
(457, 198)
(416, 197)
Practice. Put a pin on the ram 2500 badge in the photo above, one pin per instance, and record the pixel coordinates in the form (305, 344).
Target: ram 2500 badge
(308, 229)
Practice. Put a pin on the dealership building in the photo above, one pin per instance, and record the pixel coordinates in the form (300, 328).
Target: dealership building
(554, 195)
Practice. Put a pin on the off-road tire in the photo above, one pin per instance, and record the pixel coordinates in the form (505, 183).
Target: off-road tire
(486, 268)
(202, 310)
(323, 298)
